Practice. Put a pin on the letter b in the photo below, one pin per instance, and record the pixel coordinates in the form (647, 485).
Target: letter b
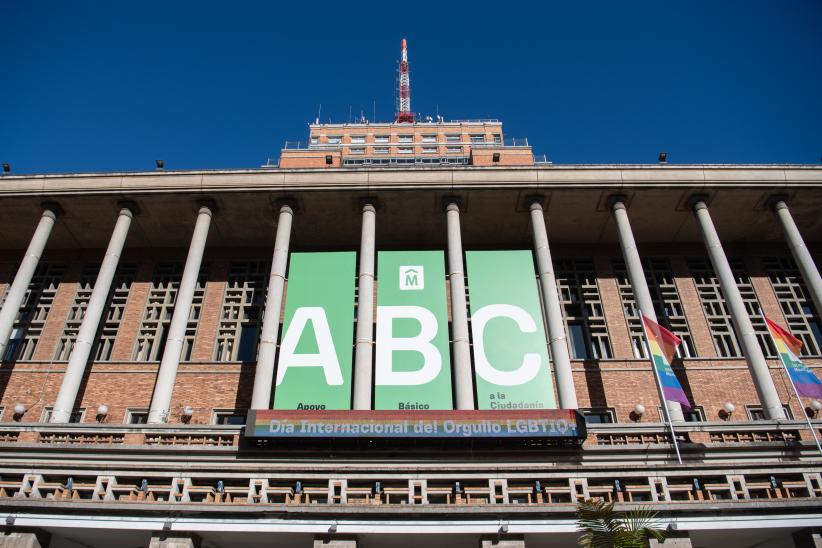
(387, 344)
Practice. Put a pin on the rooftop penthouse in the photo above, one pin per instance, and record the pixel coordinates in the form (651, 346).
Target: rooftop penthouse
(427, 143)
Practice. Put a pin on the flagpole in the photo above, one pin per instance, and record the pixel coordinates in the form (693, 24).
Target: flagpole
(665, 414)
(795, 391)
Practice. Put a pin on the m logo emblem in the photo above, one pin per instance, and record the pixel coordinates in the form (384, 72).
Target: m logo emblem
(412, 278)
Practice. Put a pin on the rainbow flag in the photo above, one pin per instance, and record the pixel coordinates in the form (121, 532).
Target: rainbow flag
(663, 345)
(789, 347)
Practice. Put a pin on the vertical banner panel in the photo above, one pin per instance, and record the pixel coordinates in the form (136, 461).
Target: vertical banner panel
(316, 346)
(413, 366)
(510, 351)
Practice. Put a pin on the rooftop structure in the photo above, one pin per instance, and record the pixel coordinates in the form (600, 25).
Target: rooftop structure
(409, 140)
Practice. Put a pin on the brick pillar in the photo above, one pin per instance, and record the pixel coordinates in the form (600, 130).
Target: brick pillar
(612, 308)
(135, 307)
(689, 296)
(764, 291)
(210, 312)
(56, 319)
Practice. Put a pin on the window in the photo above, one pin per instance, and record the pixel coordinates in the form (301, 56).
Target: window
(803, 319)
(151, 339)
(477, 138)
(242, 312)
(406, 138)
(582, 309)
(429, 150)
(358, 139)
(28, 325)
(452, 138)
(429, 138)
(667, 305)
(116, 307)
(77, 415)
(314, 140)
(694, 414)
(405, 150)
(113, 312)
(716, 309)
(497, 138)
(598, 416)
(76, 313)
(756, 413)
(357, 150)
(228, 416)
(137, 416)
(453, 150)
(334, 139)
(380, 150)
(381, 139)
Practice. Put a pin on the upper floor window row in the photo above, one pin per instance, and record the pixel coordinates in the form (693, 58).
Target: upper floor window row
(243, 300)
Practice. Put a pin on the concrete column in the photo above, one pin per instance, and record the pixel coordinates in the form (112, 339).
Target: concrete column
(763, 382)
(91, 321)
(17, 292)
(365, 311)
(553, 311)
(164, 385)
(267, 353)
(463, 378)
(800, 254)
(24, 538)
(173, 539)
(639, 284)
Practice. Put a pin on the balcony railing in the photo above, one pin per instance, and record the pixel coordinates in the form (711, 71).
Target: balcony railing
(790, 433)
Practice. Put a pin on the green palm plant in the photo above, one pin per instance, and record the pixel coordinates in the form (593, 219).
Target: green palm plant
(602, 527)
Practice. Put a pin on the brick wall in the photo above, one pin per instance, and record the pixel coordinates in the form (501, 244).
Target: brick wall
(620, 383)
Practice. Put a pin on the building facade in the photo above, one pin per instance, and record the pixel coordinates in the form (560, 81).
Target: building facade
(425, 144)
(143, 314)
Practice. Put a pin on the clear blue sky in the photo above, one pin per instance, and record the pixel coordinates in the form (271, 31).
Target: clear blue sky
(107, 86)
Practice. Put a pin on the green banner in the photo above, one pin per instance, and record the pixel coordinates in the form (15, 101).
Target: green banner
(510, 352)
(314, 364)
(413, 367)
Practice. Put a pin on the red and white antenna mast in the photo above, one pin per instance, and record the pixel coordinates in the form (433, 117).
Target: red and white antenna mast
(404, 113)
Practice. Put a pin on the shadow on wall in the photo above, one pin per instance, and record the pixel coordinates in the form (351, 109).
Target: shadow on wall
(593, 381)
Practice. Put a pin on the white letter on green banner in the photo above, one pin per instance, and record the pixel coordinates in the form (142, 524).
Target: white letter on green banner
(510, 350)
(413, 368)
(314, 365)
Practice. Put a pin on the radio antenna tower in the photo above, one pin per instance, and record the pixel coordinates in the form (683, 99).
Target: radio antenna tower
(404, 114)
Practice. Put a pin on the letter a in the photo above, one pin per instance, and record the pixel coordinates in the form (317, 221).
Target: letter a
(327, 356)
(387, 344)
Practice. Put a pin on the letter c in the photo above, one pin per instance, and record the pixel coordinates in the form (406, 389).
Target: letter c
(530, 362)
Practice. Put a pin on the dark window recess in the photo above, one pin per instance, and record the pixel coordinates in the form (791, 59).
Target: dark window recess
(140, 417)
(598, 416)
(248, 343)
(230, 418)
(578, 341)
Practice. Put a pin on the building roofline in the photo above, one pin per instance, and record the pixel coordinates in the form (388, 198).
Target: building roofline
(542, 167)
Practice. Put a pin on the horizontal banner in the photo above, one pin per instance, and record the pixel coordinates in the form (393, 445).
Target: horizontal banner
(553, 423)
